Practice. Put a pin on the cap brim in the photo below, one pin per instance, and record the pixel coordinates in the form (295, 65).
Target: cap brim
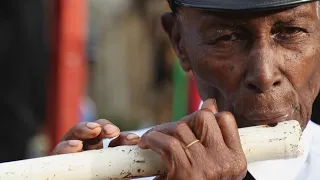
(241, 5)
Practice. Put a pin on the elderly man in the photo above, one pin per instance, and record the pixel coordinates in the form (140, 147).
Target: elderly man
(255, 62)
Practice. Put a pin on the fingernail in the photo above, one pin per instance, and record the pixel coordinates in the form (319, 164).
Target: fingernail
(131, 137)
(92, 125)
(74, 143)
(110, 129)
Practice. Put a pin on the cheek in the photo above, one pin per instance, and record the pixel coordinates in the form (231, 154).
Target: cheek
(302, 71)
(222, 73)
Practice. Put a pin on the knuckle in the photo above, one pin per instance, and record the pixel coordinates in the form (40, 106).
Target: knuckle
(181, 126)
(203, 116)
(226, 115)
(173, 143)
(226, 168)
(242, 168)
(212, 173)
(239, 171)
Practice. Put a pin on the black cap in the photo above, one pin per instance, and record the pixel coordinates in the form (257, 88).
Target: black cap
(237, 5)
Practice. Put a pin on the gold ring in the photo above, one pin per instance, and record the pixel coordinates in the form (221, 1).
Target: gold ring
(192, 143)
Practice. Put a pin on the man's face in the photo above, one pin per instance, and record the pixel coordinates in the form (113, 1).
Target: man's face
(263, 67)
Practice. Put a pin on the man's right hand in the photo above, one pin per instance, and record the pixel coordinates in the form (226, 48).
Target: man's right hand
(202, 145)
(89, 136)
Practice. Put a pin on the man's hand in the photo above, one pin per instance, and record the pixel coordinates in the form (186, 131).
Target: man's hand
(217, 155)
(89, 136)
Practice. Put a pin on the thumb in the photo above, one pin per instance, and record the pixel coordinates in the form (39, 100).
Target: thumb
(210, 104)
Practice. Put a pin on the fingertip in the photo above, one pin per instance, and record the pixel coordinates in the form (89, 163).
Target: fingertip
(111, 130)
(70, 146)
(92, 125)
(210, 104)
(83, 131)
(75, 143)
(132, 137)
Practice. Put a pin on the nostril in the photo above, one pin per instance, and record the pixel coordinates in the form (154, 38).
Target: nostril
(252, 87)
(277, 83)
(261, 88)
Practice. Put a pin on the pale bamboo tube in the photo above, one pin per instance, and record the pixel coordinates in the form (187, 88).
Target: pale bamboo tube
(259, 143)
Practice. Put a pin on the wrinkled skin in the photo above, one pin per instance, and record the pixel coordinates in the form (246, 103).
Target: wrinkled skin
(217, 156)
(255, 68)
(262, 67)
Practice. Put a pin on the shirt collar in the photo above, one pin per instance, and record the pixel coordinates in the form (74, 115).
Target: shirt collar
(286, 169)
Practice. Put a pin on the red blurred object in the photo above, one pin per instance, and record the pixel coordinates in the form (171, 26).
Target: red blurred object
(68, 66)
(194, 99)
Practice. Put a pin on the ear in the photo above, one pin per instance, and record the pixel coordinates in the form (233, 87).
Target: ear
(172, 26)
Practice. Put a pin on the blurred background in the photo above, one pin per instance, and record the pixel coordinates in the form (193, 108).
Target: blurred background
(70, 61)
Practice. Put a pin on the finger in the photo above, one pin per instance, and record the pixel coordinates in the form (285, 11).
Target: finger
(229, 130)
(65, 147)
(109, 130)
(205, 127)
(192, 146)
(92, 144)
(166, 128)
(83, 131)
(210, 104)
(183, 133)
(168, 147)
(125, 139)
(179, 129)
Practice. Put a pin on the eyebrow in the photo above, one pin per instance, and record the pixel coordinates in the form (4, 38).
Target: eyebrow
(210, 20)
(293, 15)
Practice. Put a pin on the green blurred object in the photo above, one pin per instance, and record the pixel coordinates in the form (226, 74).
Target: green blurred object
(180, 92)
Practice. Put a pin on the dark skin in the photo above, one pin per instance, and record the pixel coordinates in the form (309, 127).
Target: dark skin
(262, 67)
(255, 68)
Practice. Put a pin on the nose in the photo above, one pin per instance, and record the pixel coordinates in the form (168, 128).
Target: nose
(263, 72)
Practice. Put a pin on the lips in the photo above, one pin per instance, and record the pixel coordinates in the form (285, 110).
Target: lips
(269, 118)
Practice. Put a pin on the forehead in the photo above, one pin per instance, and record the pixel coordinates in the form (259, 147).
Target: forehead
(305, 11)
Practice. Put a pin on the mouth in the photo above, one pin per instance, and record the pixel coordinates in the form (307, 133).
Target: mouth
(269, 118)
